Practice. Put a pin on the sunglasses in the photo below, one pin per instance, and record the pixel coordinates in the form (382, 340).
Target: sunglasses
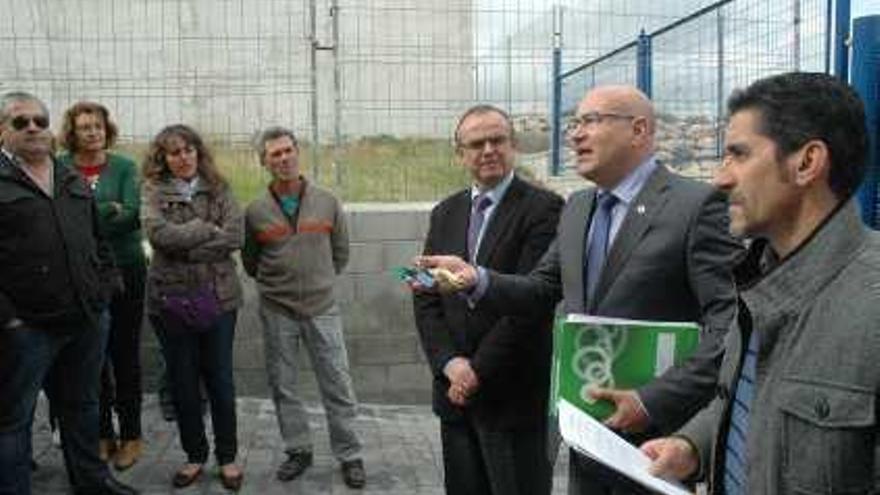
(21, 122)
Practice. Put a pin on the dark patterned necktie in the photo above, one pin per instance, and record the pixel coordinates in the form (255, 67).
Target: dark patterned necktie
(478, 216)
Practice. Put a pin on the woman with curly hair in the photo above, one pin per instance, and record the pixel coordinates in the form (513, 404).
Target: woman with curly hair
(87, 135)
(193, 293)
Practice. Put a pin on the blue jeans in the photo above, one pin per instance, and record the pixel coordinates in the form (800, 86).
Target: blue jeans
(71, 358)
(191, 357)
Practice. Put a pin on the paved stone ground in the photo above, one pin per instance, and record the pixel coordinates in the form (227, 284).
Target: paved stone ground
(402, 455)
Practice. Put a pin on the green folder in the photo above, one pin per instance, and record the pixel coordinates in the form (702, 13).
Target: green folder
(590, 351)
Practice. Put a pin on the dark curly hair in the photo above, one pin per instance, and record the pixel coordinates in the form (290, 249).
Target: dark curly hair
(67, 137)
(155, 169)
(797, 107)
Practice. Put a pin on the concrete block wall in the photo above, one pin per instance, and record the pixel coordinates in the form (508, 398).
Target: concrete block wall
(387, 363)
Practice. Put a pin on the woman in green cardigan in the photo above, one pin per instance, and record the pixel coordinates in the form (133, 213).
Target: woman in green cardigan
(87, 134)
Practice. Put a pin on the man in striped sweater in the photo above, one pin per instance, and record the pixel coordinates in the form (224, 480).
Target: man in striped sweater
(296, 243)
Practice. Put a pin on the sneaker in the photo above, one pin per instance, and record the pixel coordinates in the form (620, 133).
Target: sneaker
(129, 452)
(297, 462)
(353, 473)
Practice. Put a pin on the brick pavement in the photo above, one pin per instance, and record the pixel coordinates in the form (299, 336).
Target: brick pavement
(402, 455)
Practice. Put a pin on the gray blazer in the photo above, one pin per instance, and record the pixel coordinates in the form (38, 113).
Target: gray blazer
(671, 260)
(813, 426)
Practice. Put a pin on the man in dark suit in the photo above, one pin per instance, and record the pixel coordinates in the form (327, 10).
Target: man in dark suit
(491, 372)
(643, 244)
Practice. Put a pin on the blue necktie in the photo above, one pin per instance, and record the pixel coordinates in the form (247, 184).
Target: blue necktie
(598, 241)
(478, 216)
(735, 455)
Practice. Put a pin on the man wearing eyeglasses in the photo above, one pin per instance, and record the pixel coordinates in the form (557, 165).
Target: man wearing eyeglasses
(491, 372)
(56, 278)
(644, 243)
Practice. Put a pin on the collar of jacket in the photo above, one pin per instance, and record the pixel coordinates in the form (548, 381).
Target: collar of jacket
(9, 170)
(169, 191)
(799, 277)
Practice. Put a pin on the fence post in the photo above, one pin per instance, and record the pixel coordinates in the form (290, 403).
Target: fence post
(841, 39)
(719, 87)
(829, 25)
(556, 103)
(337, 94)
(313, 85)
(866, 80)
(643, 66)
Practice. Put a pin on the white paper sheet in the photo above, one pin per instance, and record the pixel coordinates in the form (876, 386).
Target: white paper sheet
(590, 437)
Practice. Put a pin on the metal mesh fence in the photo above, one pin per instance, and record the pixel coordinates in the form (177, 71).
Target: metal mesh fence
(372, 88)
(697, 61)
(618, 68)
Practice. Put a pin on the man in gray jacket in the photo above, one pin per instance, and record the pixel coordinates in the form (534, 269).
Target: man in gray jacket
(797, 401)
(296, 243)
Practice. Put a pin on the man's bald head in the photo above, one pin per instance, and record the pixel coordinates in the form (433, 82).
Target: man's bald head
(626, 100)
(612, 133)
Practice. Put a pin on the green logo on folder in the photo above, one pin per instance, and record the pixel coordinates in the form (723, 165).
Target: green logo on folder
(593, 352)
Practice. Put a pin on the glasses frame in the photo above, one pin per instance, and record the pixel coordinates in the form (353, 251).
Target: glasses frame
(22, 122)
(480, 144)
(593, 119)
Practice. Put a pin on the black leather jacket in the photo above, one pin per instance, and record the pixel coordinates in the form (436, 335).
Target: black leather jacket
(56, 271)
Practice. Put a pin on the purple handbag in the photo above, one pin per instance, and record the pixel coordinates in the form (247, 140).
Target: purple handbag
(195, 310)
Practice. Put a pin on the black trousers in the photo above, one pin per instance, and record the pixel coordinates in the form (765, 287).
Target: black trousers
(205, 357)
(121, 375)
(479, 461)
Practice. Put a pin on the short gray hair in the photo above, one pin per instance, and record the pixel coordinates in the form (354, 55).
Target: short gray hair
(17, 97)
(271, 134)
(481, 109)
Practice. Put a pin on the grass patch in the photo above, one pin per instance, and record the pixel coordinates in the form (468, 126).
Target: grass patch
(371, 169)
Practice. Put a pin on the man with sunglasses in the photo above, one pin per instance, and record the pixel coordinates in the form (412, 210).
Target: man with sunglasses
(56, 278)
(644, 243)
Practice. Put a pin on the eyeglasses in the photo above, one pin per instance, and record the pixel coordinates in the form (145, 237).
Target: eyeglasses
(21, 122)
(479, 144)
(94, 126)
(592, 119)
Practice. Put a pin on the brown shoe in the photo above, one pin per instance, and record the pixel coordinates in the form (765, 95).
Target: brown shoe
(186, 475)
(107, 448)
(129, 452)
(231, 476)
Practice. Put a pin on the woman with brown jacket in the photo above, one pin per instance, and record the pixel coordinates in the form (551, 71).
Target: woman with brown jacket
(194, 226)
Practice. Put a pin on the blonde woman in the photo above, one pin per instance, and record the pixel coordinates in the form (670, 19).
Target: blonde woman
(87, 134)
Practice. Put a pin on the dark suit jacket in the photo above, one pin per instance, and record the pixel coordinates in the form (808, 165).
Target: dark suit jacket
(510, 355)
(671, 260)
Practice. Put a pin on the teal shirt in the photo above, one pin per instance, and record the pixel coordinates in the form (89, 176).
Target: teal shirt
(289, 203)
(118, 183)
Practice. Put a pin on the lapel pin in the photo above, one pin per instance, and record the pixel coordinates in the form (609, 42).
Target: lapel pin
(640, 209)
